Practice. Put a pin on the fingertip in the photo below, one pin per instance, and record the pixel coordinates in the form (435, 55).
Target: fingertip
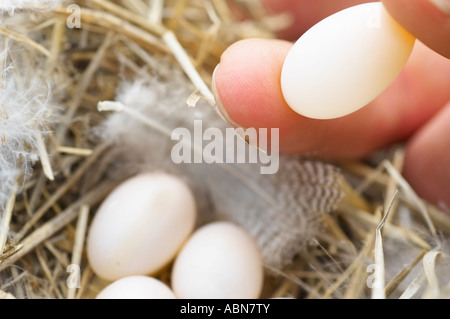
(248, 86)
(247, 82)
(248, 91)
(427, 20)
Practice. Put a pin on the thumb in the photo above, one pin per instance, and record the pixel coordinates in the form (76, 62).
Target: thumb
(427, 20)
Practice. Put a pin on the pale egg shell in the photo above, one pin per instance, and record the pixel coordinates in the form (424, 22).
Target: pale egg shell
(344, 62)
(136, 287)
(140, 226)
(219, 261)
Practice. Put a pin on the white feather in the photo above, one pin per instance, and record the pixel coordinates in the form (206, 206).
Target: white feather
(25, 113)
(11, 5)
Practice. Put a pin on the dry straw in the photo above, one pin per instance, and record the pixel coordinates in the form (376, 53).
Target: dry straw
(380, 240)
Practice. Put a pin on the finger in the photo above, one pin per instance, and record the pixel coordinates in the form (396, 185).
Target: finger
(427, 20)
(247, 81)
(306, 13)
(427, 160)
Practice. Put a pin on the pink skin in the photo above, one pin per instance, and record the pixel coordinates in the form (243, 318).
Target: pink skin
(247, 82)
(306, 13)
(428, 160)
(421, 18)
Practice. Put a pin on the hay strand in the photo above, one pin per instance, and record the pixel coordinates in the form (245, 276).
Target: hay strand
(79, 243)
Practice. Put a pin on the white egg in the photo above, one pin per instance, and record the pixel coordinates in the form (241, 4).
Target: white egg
(136, 287)
(140, 226)
(344, 62)
(219, 261)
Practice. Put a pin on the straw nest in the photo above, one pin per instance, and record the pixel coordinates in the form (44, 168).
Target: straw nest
(380, 241)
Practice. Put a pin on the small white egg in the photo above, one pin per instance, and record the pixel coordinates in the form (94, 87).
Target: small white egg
(344, 62)
(140, 226)
(219, 261)
(136, 287)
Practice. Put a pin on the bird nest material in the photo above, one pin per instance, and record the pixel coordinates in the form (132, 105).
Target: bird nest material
(377, 238)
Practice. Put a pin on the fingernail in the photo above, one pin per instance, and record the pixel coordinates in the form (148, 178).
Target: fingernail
(442, 5)
(238, 129)
(219, 106)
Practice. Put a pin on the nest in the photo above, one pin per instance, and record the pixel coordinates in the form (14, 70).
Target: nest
(380, 241)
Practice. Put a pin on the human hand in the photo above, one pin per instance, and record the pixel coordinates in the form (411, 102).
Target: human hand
(415, 107)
